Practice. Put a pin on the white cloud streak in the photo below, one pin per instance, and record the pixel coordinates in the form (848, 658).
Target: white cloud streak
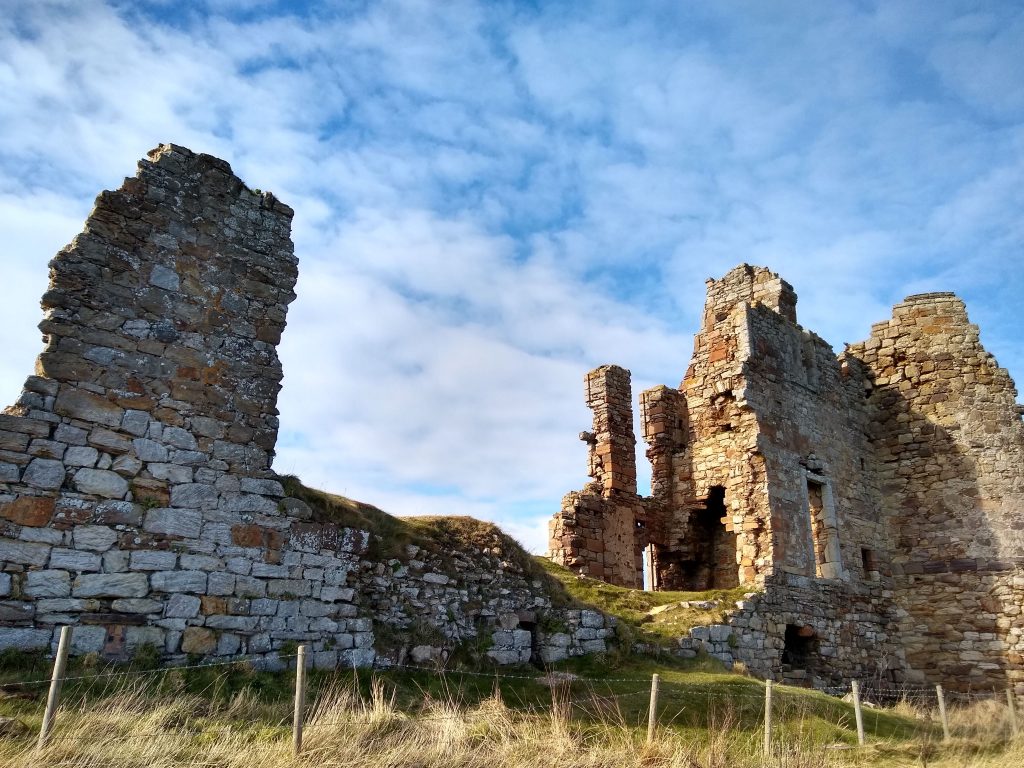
(490, 199)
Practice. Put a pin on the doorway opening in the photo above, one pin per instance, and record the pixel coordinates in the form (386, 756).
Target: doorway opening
(712, 547)
(800, 651)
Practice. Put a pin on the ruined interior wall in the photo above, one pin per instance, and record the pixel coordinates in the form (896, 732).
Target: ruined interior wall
(136, 497)
(950, 447)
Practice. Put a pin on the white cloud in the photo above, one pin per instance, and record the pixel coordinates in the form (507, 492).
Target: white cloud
(491, 201)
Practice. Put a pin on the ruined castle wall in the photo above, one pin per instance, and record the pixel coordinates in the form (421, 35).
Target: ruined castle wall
(596, 532)
(136, 497)
(770, 405)
(950, 447)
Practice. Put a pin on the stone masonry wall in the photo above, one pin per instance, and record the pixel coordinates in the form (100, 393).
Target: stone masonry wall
(596, 531)
(950, 447)
(136, 497)
(875, 498)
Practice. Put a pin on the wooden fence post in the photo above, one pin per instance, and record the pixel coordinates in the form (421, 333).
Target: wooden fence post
(652, 713)
(942, 712)
(300, 699)
(767, 718)
(59, 666)
(855, 685)
(1011, 702)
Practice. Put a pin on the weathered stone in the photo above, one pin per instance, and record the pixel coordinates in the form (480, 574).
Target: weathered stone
(184, 523)
(86, 639)
(98, 538)
(24, 639)
(179, 581)
(23, 552)
(152, 560)
(101, 482)
(149, 450)
(74, 560)
(182, 606)
(47, 584)
(111, 585)
(109, 441)
(179, 438)
(46, 474)
(170, 472)
(198, 640)
(194, 496)
(33, 511)
(136, 605)
(81, 456)
(88, 407)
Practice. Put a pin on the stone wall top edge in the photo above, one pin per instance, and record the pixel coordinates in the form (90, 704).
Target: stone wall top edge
(164, 152)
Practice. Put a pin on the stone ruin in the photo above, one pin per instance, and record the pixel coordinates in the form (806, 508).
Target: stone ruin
(873, 502)
(137, 501)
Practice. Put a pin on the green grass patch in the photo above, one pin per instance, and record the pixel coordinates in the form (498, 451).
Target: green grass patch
(653, 617)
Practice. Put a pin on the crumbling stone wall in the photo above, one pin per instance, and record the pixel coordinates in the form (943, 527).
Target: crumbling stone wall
(949, 443)
(873, 498)
(597, 532)
(136, 497)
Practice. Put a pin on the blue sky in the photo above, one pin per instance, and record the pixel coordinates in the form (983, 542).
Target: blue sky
(492, 198)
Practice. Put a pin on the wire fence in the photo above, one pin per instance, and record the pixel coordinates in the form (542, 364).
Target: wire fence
(892, 710)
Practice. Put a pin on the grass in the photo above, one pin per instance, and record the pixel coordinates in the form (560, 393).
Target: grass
(656, 618)
(234, 716)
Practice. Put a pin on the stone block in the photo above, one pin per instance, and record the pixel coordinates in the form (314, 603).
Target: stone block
(9, 473)
(81, 456)
(136, 605)
(176, 437)
(261, 487)
(101, 482)
(184, 523)
(47, 584)
(191, 562)
(35, 511)
(75, 560)
(111, 585)
(87, 639)
(46, 474)
(182, 606)
(24, 639)
(109, 441)
(136, 637)
(179, 581)
(172, 473)
(88, 407)
(199, 640)
(24, 552)
(149, 450)
(96, 538)
(135, 423)
(228, 644)
(153, 560)
(194, 496)
(246, 586)
(220, 584)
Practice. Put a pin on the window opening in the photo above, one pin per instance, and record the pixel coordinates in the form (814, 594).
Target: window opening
(824, 529)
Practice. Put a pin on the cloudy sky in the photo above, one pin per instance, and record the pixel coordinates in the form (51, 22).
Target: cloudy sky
(492, 198)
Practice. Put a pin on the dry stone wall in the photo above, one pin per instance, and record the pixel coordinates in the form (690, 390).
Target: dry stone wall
(136, 497)
(873, 499)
